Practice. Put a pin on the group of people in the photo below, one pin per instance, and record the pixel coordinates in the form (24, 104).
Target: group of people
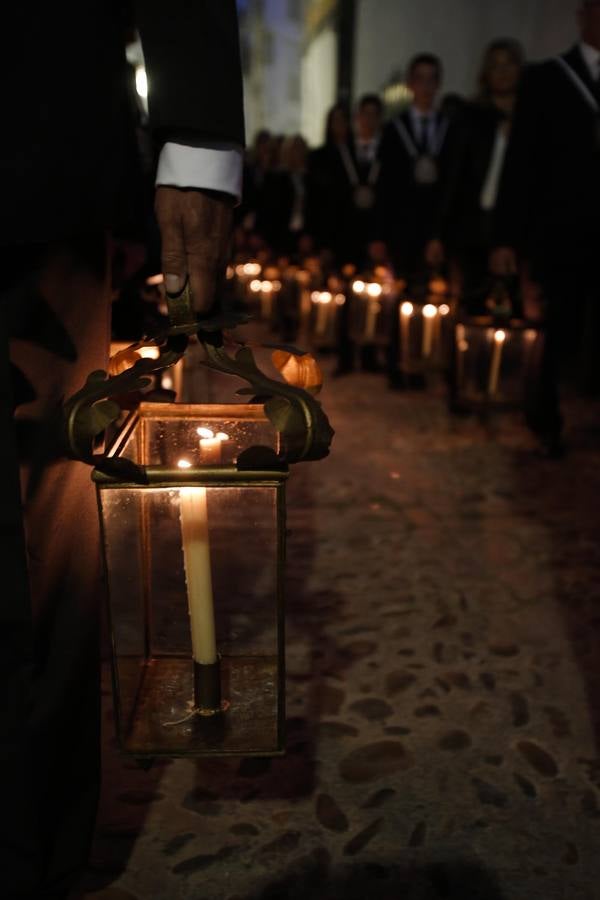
(503, 185)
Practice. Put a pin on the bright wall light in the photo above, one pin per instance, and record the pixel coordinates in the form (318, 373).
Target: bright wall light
(141, 82)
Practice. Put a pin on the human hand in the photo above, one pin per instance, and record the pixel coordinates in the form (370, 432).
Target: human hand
(434, 253)
(195, 228)
(503, 261)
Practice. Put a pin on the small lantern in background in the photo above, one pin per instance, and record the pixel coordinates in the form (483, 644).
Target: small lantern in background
(496, 363)
(424, 330)
(324, 318)
(371, 313)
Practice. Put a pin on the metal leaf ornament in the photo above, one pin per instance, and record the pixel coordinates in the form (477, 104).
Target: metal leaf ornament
(305, 430)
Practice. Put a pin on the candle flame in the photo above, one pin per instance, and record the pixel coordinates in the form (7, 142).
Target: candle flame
(266, 287)
(500, 336)
(430, 311)
(444, 309)
(207, 434)
(255, 286)
(326, 297)
(340, 299)
(463, 346)
(252, 268)
(315, 297)
(230, 272)
(374, 289)
(184, 464)
(167, 382)
(407, 308)
(276, 285)
(155, 279)
(530, 334)
(358, 287)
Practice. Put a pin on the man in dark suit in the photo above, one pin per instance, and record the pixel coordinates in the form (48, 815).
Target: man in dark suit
(64, 172)
(413, 164)
(547, 212)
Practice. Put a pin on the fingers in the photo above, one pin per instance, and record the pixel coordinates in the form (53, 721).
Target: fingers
(169, 214)
(207, 223)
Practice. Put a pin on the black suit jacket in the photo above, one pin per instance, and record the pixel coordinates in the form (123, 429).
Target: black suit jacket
(67, 112)
(461, 222)
(408, 209)
(550, 191)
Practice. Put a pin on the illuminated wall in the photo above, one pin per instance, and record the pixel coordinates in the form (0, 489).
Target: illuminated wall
(389, 32)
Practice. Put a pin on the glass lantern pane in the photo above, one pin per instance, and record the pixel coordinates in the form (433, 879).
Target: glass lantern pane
(168, 432)
(494, 364)
(157, 577)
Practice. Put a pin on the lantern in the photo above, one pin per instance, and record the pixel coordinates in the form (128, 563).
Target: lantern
(194, 560)
(423, 335)
(371, 311)
(325, 307)
(192, 509)
(495, 362)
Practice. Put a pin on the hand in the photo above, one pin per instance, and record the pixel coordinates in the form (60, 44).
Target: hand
(195, 227)
(434, 253)
(503, 261)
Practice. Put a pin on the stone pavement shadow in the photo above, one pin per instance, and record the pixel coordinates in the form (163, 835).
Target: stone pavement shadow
(313, 878)
(562, 498)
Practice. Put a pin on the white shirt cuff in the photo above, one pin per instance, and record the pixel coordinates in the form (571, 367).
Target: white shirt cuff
(216, 167)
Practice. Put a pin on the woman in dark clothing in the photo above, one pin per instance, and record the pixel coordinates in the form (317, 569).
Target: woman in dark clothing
(475, 169)
(282, 217)
(329, 184)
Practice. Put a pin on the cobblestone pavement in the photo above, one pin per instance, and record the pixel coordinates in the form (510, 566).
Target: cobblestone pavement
(443, 685)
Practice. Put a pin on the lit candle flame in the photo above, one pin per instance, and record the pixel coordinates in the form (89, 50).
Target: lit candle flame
(184, 464)
(444, 309)
(500, 336)
(407, 308)
(430, 311)
(340, 299)
(358, 287)
(326, 297)
(256, 286)
(155, 279)
(374, 289)
(209, 435)
(266, 287)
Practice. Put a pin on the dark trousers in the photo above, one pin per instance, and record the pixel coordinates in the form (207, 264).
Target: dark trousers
(572, 297)
(54, 307)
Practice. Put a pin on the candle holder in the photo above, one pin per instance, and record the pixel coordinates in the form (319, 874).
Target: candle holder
(496, 362)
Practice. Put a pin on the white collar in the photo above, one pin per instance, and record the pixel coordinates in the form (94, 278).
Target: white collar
(418, 114)
(591, 57)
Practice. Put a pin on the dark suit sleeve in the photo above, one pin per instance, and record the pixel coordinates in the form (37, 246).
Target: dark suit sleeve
(192, 54)
(518, 185)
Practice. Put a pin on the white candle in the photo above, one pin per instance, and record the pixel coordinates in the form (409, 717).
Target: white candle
(406, 311)
(499, 338)
(429, 314)
(374, 291)
(266, 300)
(211, 446)
(193, 513)
(462, 346)
(322, 302)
